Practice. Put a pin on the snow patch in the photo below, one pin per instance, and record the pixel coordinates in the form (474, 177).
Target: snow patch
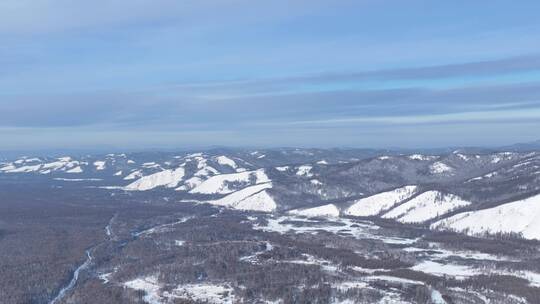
(150, 287)
(440, 167)
(304, 170)
(250, 198)
(380, 202)
(329, 210)
(100, 165)
(426, 206)
(134, 175)
(225, 161)
(224, 183)
(77, 169)
(421, 157)
(168, 178)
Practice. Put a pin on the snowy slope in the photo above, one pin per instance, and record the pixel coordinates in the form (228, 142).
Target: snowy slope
(134, 175)
(77, 169)
(225, 161)
(250, 198)
(440, 167)
(327, 210)
(36, 165)
(380, 202)
(521, 216)
(422, 157)
(190, 183)
(100, 165)
(169, 178)
(304, 170)
(426, 206)
(222, 184)
(261, 201)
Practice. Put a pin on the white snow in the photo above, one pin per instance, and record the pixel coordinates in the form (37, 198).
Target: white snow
(304, 170)
(78, 179)
(521, 216)
(358, 229)
(463, 156)
(393, 279)
(282, 169)
(8, 167)
(168, 178)
(421, 157)
(119, 173)
(225, 161)
(77, 169)
(249, 198)
(222, 183)
(63, 163)
(28, 160)
(325, 265)
(436, 297)
(440, 269)
(261, 201)
(206, 171)
(105, 277)
(489, 175)
(190, 183)
(440, 167)
(496, 159)
(23, 169)
(204, 293)
(162, 228)
(150, 287)
(380, 202)
(426, 206)
(315, 182)
(322, 162)
(134, 175)
(329, 210)
(100, 165)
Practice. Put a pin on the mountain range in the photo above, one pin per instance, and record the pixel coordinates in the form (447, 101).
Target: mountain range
(479, 193)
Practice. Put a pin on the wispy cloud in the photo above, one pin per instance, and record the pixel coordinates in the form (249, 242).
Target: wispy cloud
(245, 71)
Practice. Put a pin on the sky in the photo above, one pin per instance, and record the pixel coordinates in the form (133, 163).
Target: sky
(134, 74)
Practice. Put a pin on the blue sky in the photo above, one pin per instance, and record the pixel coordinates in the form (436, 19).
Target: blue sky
(177, 74)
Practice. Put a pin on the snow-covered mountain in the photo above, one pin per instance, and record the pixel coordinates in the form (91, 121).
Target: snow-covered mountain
(520, 217)
(425, 207)
(466, 192)
(375, 204)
